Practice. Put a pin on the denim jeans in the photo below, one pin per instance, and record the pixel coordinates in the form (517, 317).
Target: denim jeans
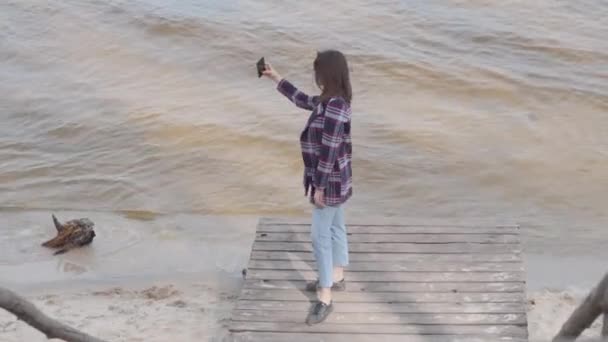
(330, 245)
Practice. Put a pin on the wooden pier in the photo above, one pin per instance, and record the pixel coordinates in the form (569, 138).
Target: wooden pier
(418, 281)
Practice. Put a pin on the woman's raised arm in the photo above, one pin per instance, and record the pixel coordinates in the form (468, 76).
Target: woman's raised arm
(290, 91)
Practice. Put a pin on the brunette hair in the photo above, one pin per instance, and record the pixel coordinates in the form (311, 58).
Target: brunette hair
(332, 75)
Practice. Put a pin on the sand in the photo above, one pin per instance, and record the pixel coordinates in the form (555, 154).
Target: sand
(199, 311)
(161, 312)
(549, 309)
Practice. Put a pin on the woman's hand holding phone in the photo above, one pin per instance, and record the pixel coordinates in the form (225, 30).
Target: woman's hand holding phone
(271, 73)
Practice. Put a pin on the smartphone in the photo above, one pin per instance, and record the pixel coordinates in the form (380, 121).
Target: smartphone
(261, 66)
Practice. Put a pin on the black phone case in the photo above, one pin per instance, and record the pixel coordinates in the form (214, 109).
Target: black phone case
(261, 66)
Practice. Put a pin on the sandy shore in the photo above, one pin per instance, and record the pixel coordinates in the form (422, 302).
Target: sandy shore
(549, 309)
(199, 311)
(175, 278)
(161, 312)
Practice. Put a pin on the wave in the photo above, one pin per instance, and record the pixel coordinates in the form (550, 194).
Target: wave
(480, 81)
(159, 25)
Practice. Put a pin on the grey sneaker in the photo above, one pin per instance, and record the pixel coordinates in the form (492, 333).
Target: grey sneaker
(339, 286)
(319, 313)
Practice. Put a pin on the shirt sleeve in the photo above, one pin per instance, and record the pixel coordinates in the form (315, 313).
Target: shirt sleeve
(336, 115)
(294, 95)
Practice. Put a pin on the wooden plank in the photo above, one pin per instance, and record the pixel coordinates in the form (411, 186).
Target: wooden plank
(500, 330)
(399, 221)
(455, 248)
(394, 276)
(399, 257)
(383, 318)
(414, 280)
(393, 266)
(393, 238)
(319, 337)
(442, 308)
(386, 297)
(415, 287)
(428, 230)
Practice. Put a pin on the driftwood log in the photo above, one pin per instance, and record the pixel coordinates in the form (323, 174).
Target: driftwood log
(594, 305)
(27, 312)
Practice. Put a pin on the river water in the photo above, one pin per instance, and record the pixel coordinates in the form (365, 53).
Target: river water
(143, 108)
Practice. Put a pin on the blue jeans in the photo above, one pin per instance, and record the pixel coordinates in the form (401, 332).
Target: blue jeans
(330, 245)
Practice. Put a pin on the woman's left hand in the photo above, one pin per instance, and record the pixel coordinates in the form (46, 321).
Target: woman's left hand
(319, 198)
(271, 73)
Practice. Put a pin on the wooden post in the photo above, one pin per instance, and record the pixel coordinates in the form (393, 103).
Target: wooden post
(27, 312)
(593, 306)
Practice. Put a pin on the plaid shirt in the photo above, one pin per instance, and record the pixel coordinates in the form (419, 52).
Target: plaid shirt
(326, 145)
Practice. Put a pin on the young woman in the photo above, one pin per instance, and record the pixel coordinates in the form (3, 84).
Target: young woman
(326, 152)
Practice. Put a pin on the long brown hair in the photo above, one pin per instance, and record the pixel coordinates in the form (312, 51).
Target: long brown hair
(332, 75)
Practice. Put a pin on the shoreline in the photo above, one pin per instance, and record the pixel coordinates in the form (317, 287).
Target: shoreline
(159, 310)
(177, 277)
(190, 308)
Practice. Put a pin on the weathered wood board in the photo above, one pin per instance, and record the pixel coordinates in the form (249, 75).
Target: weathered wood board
(432, 281)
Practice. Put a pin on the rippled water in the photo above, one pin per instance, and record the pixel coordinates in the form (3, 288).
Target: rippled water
(461, 108)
